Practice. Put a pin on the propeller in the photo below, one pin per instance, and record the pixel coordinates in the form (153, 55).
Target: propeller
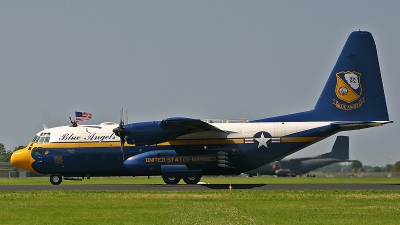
(120, 132)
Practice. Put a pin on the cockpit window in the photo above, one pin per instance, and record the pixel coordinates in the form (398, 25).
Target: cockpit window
(42, 138)
(35, 138)
(38, 151)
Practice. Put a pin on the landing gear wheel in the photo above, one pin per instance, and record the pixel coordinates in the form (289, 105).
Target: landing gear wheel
(55, 179)
(192, 180)
(171, 180)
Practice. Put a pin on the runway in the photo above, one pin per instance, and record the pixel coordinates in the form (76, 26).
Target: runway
(199, 187)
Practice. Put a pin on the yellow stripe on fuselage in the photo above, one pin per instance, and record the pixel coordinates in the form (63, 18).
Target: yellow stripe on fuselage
(202, 142)
(78, 144)
(117, 144)
(178, 142)
(300, 139)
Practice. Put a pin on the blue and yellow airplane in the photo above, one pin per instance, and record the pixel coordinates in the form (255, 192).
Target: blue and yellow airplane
(184, 148)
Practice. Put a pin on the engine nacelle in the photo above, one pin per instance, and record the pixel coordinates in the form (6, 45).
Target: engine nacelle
(148, 133)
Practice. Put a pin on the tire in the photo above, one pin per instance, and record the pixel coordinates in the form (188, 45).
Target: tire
(55, 179)
(171, 180)
(192, 180)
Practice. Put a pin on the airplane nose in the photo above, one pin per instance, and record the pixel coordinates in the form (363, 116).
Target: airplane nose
(22, 159)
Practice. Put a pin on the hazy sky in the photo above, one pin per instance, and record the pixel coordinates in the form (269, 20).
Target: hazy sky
(198, 59)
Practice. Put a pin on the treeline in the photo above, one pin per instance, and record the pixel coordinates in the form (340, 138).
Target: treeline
(5, 154)
(357, 166)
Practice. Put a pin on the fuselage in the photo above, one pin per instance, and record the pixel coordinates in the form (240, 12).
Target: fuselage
(94, 150)
(285, 168)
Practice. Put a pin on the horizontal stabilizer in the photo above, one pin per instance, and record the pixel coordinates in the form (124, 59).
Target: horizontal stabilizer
(360, 124)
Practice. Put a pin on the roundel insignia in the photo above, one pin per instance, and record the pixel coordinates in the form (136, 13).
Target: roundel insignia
(262, 139)
(348, 86)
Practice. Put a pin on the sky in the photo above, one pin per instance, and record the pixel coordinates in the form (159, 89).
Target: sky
(198, 59)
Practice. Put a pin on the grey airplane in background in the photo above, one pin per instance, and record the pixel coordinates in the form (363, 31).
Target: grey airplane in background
(299, 166)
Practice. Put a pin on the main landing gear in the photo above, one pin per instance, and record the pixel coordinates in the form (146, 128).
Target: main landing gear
(171, 180)
(175, 180)
(191, 180)
(55, 179)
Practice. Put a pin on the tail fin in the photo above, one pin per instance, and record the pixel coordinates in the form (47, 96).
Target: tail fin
(354, 90)
(340, 149)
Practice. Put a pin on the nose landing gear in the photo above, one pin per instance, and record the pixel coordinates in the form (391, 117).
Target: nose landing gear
(55, 179)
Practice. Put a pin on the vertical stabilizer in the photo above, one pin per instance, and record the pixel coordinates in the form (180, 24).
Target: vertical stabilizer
(340, 149)
(354, 90)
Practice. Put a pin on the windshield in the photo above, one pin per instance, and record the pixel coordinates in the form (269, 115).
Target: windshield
(42, 138)
(35, 138)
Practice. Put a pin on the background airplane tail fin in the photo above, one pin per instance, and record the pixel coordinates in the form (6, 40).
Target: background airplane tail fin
(340, 149)
(354, 90)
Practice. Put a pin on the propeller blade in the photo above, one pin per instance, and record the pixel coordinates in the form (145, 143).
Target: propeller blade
(120, 132)
(122, 147)
(120, 118)
(126, 116)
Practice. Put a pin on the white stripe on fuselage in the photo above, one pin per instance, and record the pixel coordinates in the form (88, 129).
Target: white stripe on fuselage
(104, 133)
(82, 133)
(248, 130)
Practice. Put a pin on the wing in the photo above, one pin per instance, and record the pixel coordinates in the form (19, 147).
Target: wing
(188, 125)
(147, 133)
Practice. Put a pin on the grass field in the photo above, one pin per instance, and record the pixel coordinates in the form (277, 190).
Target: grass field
(201, 207)
(211, 180)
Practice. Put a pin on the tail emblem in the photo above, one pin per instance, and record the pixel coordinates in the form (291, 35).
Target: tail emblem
(348, 89)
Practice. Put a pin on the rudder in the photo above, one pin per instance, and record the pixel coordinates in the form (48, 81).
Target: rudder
(354, 90)
(340, 149)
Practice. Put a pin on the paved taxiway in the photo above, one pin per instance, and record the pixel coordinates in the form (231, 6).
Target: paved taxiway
(202, 187)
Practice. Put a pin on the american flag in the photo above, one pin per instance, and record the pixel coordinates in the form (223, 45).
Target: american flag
(81, 116)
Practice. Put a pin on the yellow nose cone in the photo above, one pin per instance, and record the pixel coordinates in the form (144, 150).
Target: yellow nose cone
(23, 159)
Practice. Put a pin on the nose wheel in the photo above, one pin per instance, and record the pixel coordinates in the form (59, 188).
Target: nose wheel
(55, 179)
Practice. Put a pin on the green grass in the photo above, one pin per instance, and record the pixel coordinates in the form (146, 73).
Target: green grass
(200, 207)
(211, 180)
